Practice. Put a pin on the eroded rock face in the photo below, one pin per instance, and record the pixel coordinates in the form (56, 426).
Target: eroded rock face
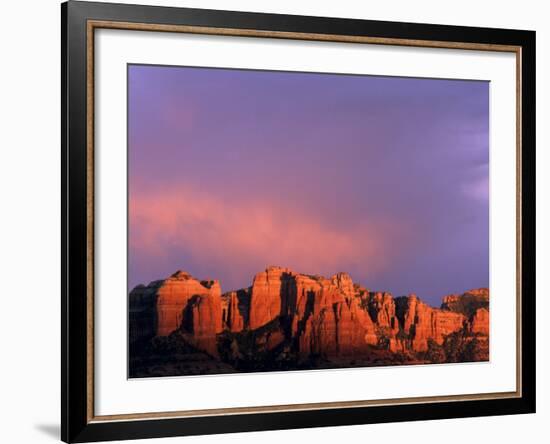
(381, 307)
(173, 296)
(328, 318)
(163, 302)
(467, 303)
(203, 321)
(479, 323)
(474, 304)
(306, 316)
(355, 329)
(232, 316)
(343, 282)
(421, 322)
(269, 289)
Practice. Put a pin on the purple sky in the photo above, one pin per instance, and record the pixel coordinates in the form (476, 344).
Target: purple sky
(385, 178)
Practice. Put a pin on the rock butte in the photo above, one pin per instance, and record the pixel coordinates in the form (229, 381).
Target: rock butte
(313, 315)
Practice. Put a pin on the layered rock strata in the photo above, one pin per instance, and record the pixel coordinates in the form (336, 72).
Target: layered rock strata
(305, 315)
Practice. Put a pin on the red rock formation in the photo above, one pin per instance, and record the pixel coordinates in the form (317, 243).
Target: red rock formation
(319, 334)
(479, 324)
(174, 294)
(206, 316)
(329, 319)
(166, 300)
(204, 321)
(232, 317)
(306, 299)
(268, 290)
(468, 302)
(474, 304)
(444, 323)
(381, 307)
(344, 283)
(355, 329)
(422, 322)
(302, 314)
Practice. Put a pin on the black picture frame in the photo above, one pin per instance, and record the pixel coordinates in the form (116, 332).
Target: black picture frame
(76, 326)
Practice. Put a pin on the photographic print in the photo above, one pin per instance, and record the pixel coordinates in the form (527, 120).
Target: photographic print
(283, 221)
(258, 205)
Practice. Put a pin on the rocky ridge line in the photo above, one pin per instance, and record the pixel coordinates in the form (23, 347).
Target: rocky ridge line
(305, 316)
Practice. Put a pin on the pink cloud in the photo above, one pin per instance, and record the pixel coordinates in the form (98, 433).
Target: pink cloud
(255, 233)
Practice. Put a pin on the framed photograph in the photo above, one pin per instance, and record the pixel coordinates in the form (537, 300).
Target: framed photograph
(275, 221)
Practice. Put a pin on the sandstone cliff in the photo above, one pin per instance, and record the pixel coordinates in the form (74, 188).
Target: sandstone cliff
(287, 320)
(157, 310)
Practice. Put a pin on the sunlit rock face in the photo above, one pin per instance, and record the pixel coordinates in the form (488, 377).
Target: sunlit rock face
(329, 319)
(162, 303)
(421, 322)
(203, 321)
(285, 315)
(479, 323)
(232, 310)
(270, 289)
